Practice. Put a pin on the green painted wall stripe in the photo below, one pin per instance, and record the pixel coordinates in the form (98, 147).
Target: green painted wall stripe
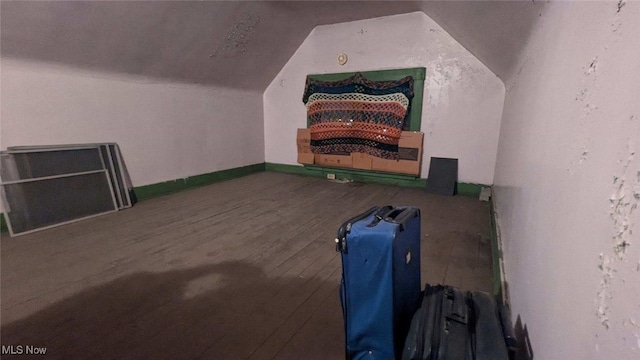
(418, 74)
(496, 255)
(364, 172)
(368, 177)
(350, 174)
(168, 187)
(3, 223)
(470, 188)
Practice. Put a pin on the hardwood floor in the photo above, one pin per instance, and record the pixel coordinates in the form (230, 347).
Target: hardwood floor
(241, 269)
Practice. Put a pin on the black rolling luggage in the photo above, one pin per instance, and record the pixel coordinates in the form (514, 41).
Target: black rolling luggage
(456, 325)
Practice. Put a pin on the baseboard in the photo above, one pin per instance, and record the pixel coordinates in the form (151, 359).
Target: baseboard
(499, 284)
(368, 177)
(172, 186)
(168, 187)
(470, 189)
(3, 223)
(349, 174)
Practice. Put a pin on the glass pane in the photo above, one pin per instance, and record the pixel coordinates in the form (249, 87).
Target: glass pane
(29, 165)
(111, 172)
(41, 203)
(119, 176)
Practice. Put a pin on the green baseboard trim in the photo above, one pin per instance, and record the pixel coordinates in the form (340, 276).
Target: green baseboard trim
(172, 186)
(288, 169)
(169, 187)
(368, 177)
(496, 255)
(3, 223)
(349, 174)
(470, 189)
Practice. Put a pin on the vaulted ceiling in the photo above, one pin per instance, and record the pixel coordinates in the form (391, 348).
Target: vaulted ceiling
(239, 44)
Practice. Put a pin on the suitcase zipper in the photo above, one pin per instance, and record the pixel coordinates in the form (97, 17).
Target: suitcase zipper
(341, 246)
(345, 228)
(439, 326)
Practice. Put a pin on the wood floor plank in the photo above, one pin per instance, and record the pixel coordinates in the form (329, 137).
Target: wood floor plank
(294, 324)
(314, 344)
(240, 269)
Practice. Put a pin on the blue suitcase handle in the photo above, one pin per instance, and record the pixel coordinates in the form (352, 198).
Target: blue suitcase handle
(381, 214)
(387, 213)
(402, 216)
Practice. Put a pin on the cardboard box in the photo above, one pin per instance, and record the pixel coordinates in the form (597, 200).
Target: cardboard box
(303, 140)
(305, 158)
(361, 161)
(333, 160)
(410, 152)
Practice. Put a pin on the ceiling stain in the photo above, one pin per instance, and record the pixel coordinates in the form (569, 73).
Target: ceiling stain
(238, 37)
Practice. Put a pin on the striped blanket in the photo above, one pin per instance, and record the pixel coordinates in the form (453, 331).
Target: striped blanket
(357, 115)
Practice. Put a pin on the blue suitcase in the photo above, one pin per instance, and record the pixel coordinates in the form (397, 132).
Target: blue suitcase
(380, 288)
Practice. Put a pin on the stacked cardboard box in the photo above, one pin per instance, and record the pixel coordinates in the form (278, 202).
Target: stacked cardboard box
(305, 156)
(410, 151)
(333, 160)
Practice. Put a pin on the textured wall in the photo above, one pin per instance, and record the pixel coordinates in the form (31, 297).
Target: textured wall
(462, 102)
(166, 131)
(568, 182)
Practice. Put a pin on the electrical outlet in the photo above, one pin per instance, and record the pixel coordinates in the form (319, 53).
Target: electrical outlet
(331, 176)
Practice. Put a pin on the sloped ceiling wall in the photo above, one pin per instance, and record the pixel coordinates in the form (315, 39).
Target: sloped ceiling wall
(230, 44)
(235, 44)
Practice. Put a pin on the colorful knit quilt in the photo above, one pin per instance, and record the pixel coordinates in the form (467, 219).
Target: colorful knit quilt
(357, 115)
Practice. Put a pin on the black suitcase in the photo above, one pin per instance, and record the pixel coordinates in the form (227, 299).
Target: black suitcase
(452, 324)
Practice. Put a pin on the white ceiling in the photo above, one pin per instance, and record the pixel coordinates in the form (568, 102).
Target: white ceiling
(239, 44)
